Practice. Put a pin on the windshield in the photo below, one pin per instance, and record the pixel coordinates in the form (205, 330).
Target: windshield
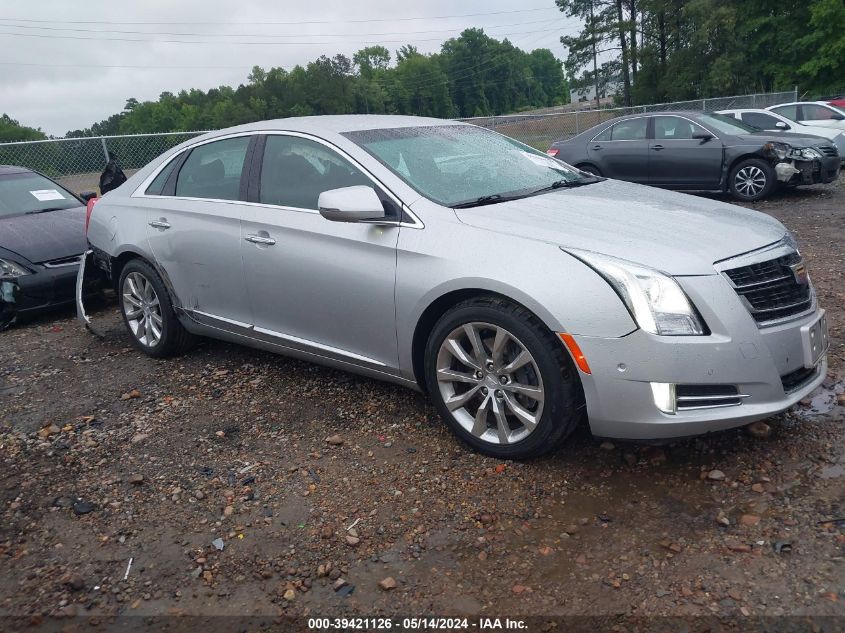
(726, 124)
(32, 193)
(459, 164)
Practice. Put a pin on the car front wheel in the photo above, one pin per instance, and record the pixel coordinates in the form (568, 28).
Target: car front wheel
(501, 380)
(752, 179)
(148, 312)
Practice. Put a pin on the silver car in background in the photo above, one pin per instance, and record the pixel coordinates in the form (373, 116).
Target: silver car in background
(520, 293)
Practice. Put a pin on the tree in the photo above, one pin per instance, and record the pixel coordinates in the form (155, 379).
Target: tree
(12, 131)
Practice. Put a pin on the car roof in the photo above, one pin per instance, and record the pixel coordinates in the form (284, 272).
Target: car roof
(337, 124)
(778, 105)
(6, 170)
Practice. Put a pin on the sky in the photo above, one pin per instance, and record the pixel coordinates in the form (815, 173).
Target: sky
(65, 64)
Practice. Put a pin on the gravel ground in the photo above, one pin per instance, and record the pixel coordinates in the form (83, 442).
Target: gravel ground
(320, 485)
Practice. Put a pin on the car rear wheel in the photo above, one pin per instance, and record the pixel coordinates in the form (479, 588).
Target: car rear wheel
(501, 380)
(148, 312)
(752, 179)
(590, 169)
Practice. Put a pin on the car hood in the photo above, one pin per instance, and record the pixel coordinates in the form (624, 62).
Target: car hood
(676, 233)
(796, 140)
(44, 236)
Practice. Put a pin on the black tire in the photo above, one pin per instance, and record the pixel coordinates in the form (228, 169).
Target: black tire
(563, 406)
(748, 170)
(590, 169)
(175, 339)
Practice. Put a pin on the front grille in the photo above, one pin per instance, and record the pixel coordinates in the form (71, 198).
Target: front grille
(690, 397)
(73, 260)
(773, 289)
(828, 150)
(796, 379)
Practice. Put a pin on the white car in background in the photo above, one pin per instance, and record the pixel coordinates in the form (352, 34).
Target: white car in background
(818, 113)
(771, 121)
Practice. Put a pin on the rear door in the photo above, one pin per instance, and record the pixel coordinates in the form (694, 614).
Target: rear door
(621, 151)
(677, 160)
(194, 230)
(316, 285)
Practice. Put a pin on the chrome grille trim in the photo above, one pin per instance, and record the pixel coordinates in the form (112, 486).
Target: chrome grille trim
(769, 284)
(63, 262)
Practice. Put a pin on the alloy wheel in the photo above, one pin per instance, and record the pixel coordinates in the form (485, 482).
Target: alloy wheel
(490, 383)
(142, 309)
(750, 181)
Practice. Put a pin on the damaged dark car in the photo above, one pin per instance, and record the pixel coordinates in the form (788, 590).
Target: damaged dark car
(699, 151)
(42, 236)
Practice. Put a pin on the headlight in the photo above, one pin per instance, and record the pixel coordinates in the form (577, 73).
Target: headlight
(807, 153)
(11, 269)
(785, 150)
(655, 300)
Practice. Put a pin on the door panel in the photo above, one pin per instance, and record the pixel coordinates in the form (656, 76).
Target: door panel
(677, 160)
(622, 151)
(197, 242)
(319, 284)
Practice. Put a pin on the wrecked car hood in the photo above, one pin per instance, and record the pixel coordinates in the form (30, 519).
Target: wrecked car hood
(44, 236)
(673, 232)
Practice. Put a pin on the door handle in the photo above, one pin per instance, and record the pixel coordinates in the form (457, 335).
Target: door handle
(596, 147)
(160, 224)
(657, 148)
(260, 239)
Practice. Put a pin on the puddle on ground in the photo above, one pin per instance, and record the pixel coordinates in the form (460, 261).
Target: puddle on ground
(824, 399)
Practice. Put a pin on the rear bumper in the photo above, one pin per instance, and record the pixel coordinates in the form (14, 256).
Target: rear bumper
(619, 396)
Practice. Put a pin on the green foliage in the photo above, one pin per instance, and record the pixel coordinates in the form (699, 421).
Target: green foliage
(689, 49)
(473, 74)
(11, 131)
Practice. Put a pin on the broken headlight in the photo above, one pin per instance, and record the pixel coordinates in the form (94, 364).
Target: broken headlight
(11, 269)
(785, 151)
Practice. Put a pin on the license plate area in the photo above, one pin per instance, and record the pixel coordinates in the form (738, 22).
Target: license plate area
(815, 340)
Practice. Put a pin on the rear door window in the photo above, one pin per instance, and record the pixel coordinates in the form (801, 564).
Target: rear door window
(789, 111)
(213, 170)
(629, 130)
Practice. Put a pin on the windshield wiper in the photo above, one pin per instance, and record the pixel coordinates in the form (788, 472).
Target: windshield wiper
(47, 210)
(491, 199)
(566, 184)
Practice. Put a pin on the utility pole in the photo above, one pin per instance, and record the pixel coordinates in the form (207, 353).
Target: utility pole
(595, 55)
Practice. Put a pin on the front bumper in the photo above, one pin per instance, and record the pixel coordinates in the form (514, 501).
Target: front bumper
(822, 170)
(619, 397)
(43, 289)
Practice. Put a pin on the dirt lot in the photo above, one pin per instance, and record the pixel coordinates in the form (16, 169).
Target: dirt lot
(109, 457)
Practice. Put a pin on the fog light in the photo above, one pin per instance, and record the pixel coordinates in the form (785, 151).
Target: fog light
(664, 396)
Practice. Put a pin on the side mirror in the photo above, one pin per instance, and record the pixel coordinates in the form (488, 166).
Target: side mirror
(350, 204)
(782, 126)
(88, 195)
(838, 117)
(702, 136)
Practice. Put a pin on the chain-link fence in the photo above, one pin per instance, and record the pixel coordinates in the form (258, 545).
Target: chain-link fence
(76, 163)
(540, 129)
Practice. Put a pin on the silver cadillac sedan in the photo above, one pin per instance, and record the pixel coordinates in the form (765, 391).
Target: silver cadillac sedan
(520, 293)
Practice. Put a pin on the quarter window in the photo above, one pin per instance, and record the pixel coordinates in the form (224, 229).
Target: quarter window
(295, 171)
(214, 170)
(157, 185)
(673, 128)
